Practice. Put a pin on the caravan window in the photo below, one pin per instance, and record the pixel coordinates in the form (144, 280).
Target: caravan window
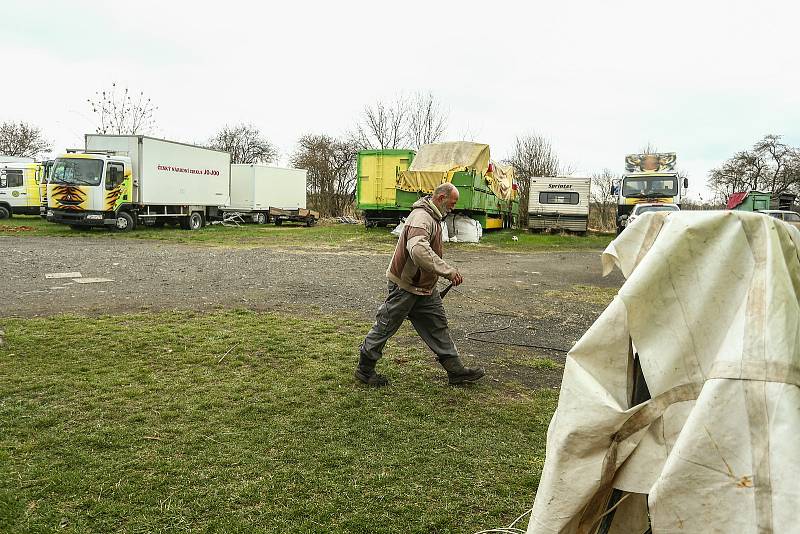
(558, 197)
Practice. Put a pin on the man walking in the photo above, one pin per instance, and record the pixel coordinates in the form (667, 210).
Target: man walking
(413, 272)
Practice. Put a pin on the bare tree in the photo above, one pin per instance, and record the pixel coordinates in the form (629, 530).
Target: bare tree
(771, 165)
(331, 165)
(245, 144)
(533, 156)
(22, 140)
(382, 126)
(427, 122)
(403, 123)
(122, 112)
(603, 200)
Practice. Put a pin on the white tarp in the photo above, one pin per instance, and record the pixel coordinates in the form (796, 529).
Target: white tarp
(711, 307)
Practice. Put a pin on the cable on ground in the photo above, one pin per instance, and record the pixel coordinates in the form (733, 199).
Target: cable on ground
(503, 313)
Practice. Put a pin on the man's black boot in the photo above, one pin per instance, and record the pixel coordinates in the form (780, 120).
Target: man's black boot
(365, 372)
(458, 374)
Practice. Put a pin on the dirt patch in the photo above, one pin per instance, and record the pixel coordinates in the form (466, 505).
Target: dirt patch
(534, 299)
(15, 229)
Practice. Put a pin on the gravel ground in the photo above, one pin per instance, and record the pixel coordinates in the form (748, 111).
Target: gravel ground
(540, 287)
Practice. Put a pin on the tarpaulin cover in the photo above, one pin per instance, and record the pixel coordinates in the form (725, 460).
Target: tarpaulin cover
(435, 164)
(711, 307)
(735, 199)
(501, 180)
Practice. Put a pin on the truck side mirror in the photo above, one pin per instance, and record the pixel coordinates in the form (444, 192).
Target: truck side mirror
(686, 183)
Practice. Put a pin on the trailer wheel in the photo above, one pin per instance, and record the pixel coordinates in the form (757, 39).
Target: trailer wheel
(311, 222)
(124, 222)
(5, 213)
(196, 220)
(260, 218)
(278, 222)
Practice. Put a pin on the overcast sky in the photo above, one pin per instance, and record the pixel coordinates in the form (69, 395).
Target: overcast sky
(600, 79)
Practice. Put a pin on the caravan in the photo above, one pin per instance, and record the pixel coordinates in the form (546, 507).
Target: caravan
(559, 203)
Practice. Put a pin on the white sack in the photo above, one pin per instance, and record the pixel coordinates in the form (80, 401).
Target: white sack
(463, 228)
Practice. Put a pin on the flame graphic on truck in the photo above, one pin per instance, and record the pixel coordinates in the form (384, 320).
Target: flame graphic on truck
(119, 194)
(113, 196)
(68, 197)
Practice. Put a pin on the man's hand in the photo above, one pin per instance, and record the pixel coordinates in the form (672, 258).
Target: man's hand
(457, 279)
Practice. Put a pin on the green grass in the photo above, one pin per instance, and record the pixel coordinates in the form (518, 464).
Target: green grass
(238, 421)
(531, 242)
(540, 363)
(333, 236)
(249, 235)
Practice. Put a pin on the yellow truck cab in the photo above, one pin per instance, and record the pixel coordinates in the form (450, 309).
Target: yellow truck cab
(20, 192)
(86, 188)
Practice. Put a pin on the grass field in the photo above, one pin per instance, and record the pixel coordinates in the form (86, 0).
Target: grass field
(344, 236)
(237, 421)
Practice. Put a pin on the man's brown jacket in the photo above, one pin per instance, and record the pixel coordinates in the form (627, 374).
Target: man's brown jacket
(417, 261)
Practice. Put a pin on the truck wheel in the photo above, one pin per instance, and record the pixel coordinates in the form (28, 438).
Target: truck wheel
(260, 218)
(5, 213)
(196, 220)
(124, 222)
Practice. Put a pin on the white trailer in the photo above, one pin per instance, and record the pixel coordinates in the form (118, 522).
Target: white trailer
(126, 180)
(559, 203)
(266, 193)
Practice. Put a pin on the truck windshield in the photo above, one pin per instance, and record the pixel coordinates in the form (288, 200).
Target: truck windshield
(649, 187)
(77, 171)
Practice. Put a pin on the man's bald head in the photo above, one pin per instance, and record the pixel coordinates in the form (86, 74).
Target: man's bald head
(445, 197)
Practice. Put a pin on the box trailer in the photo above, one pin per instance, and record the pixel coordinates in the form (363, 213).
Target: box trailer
(265, 193)
(559, 203)
(376, 185)
(126, 180)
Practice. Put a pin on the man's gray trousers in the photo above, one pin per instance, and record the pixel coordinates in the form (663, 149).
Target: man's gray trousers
(426, 313)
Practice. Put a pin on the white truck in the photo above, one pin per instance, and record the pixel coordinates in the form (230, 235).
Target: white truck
(559, 203)
(266, 194)
(648, 178)
(21, 180)
(126, 180)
